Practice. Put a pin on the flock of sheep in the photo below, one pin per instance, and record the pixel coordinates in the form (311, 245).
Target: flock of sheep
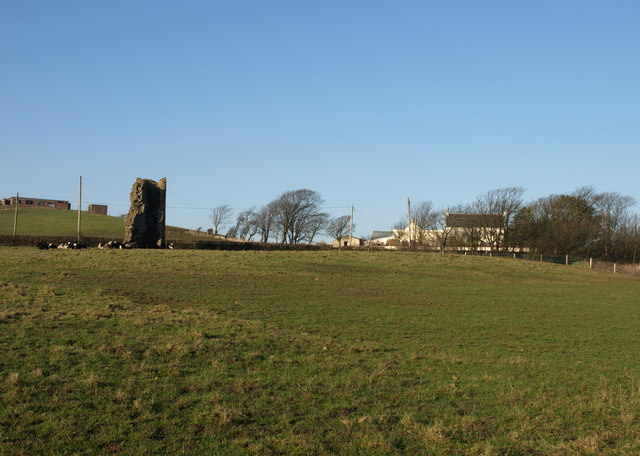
(43, 245)
(74, 245)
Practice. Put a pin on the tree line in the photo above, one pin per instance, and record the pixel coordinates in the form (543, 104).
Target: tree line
(584, 222)
(295, 217)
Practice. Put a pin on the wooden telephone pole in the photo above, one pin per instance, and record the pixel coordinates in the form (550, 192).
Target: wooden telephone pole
(351, 225)
(15, 215)
(409, 219)
(79, 208)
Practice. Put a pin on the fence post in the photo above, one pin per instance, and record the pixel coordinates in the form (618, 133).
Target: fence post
(566, 261)
(615, 267)
(514, 256)
(591, 263)
(540, 258)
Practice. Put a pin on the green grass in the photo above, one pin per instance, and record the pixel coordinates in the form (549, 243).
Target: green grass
(42, 222)
(192, 352)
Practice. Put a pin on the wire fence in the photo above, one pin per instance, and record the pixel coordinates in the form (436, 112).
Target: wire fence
(578, 262)
(575, 261)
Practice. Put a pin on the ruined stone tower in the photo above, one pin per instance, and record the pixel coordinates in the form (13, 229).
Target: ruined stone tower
(144, 225)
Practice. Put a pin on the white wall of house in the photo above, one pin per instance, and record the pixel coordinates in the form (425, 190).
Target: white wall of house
(381, 241)
(413, 232)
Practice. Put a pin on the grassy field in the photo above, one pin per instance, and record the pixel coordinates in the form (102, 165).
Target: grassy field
(45, 223)
(213, 352)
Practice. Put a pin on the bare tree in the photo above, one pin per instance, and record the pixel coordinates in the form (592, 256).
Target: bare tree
(495, 211)
(586, 192)
(465, 226)
(425, 221)
(245, 227)
(400, 231)
(312, 225)
(232, 232)
(263, 221)
(297, 215)
(631, 236)
(338, 227)
(441, 231)
(219, 217)
(612, 210)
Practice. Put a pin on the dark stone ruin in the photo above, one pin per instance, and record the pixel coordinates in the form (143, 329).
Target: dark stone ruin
(144, 226)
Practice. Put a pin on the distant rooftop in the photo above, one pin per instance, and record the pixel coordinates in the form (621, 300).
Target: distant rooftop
(473, 220)
(12, 198)
(381, 234)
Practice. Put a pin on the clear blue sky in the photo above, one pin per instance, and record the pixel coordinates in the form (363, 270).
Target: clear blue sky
(366, 102)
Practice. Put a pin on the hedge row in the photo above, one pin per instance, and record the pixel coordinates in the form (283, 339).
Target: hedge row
(230, 245)
(32, 241)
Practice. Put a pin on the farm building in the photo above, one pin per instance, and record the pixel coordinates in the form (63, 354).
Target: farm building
(463, 231)
(348, 241)
(473, 220)
(414, 233)
(98, 209)
(481, 232)
(381, 237)
(37, 202)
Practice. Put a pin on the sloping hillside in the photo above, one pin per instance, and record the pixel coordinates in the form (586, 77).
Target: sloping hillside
(50, 222)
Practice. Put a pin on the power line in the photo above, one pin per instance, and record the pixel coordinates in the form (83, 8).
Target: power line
(336, 207)
(209, 208)
(360, 213)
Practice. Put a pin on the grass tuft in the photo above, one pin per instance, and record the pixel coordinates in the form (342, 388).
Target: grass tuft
(13, 379)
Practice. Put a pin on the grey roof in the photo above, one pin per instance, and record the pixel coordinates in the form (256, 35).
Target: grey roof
(474, 220)
(381, 234)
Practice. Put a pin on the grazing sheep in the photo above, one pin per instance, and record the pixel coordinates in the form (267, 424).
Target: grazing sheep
(114, 245)
(72, 245)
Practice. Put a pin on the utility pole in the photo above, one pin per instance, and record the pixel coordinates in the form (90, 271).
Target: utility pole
(15, 215)
(351, 225)
(79, 207)
(409, 219)
(635, 236)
